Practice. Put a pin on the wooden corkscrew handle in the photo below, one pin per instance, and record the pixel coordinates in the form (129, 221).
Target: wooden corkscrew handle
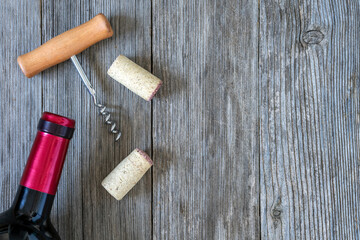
(65, 45)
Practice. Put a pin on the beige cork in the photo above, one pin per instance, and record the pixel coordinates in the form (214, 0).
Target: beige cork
(125, 175)
(134, 77)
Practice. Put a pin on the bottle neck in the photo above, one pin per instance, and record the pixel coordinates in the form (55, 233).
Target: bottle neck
(29, 215)
(32, 205)
(43, 169)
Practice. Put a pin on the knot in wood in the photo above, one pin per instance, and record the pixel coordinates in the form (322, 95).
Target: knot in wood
(276, 211)
(313, 37)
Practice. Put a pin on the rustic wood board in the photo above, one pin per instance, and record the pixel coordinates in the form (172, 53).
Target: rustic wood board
(254, 134)
(205, 132)
(20, 100)
(83, 209)
(309, 119)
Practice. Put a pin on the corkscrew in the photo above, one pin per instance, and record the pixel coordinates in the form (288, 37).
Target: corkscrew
(70, 43)
(102, 109)
(65, 46)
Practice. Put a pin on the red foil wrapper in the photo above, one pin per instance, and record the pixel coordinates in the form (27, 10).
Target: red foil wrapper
(43, 169)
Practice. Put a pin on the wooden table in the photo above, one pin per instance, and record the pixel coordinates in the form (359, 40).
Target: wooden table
(254, 134)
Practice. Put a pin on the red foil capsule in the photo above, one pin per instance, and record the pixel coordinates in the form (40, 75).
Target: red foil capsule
(43, 169)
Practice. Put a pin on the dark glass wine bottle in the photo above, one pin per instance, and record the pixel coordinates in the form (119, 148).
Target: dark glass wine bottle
(29, 216)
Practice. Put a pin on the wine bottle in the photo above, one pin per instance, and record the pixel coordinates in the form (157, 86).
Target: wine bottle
(29, 216)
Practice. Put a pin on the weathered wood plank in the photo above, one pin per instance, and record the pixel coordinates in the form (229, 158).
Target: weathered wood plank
(63, 94)
(309, 127)
(20, 98)
(255, 131)
(84, 210)
(205, 120)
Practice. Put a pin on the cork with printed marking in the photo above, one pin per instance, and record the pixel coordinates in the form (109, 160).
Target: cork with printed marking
(125, 175)
(134, 77)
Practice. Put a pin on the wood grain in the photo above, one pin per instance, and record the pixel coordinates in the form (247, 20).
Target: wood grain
(309, 127)
(63, 46)
(205, 120)
(20, 100)
(84, 209)
(254, 133)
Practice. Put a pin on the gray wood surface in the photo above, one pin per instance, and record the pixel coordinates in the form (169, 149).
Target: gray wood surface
(254, 134)
(309, 119)
(205, 142)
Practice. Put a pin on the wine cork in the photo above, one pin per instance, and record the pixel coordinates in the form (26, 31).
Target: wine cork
(125, 175)
(134, 77)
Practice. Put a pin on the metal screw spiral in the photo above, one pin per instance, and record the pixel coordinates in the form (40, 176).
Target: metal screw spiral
(102, 108)
(107, 117)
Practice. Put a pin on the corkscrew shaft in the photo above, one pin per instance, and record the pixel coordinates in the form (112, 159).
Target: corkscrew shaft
(84, 78)
(102, 109)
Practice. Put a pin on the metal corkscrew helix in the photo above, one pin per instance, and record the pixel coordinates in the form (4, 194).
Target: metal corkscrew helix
(102, 108)
(68, 45)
